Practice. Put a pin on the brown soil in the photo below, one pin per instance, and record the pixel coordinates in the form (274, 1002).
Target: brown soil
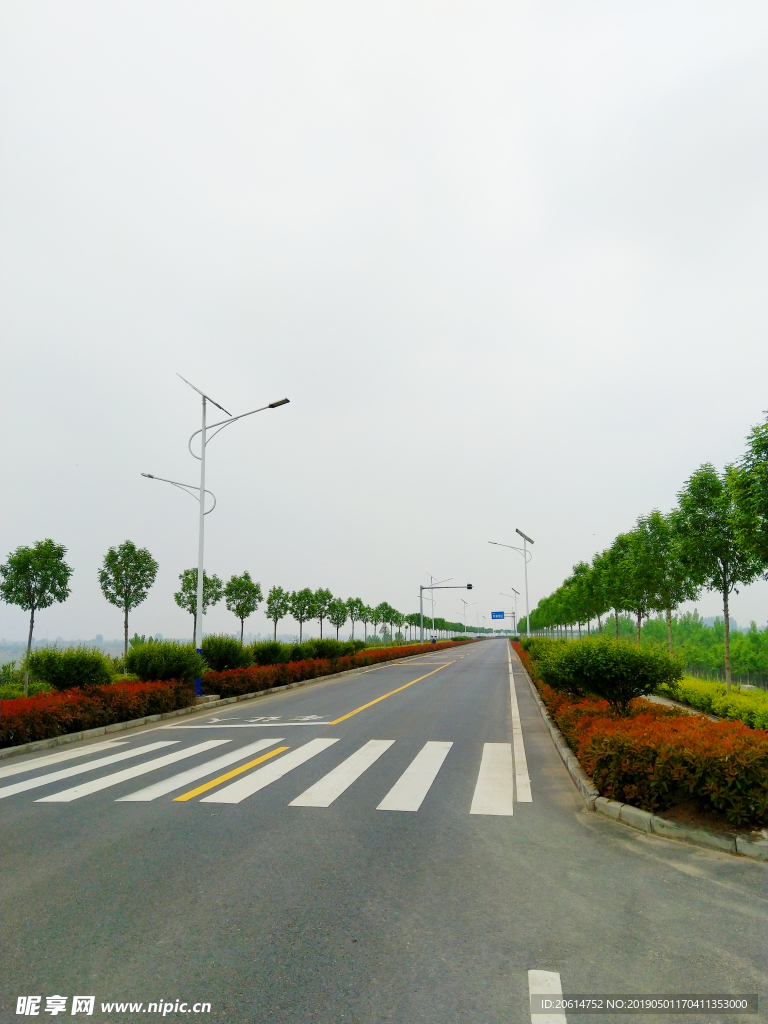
(690, 814)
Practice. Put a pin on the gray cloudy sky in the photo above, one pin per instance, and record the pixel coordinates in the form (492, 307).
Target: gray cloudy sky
(507, 260)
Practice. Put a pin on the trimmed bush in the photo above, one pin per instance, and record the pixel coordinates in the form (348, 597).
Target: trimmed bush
(270, 652)
(74, 667)
(222, 652)
(165, 660)
(612, 670)
(40, 718)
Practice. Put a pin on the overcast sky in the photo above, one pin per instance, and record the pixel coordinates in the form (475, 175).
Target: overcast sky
(507, 261)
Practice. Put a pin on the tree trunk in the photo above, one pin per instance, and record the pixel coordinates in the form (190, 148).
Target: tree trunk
(727, 640)
(125, 630)
(669, 629)
(588, 627)
(337, 633)
(600, 624)
(274, 637)
(616, 613)
(321, 626)
(300, 630)
(194, 627)
(242, 627)
(639, 624)
(579, 631)
(29, 648)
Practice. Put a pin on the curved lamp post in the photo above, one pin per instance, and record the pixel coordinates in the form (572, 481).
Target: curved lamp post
(527, 556)
(206, 434)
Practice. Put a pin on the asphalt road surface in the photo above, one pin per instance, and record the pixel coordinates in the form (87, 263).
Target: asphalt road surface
(334, 854)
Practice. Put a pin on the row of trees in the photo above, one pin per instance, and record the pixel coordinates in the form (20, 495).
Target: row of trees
(716, 538)
(38, 576)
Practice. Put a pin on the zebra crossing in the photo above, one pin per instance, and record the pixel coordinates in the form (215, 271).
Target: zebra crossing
(236, 775)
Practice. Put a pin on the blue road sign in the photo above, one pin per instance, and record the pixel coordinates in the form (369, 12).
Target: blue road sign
(497, 615)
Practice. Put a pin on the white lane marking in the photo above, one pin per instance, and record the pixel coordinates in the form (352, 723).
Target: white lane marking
(332, 785)
(245, 725)
(493, 792)
(78, 769)
(64, 755)
(209, 768)
(411, 788)
(522, 779)
(545, 983)
(253, 782)
(65, 796)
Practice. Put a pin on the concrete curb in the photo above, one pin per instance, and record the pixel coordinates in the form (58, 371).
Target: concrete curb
(136, 723)
(742, 844)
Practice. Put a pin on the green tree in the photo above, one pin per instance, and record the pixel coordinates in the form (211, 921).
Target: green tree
(125, 578)
(749, 480)
(668, 577)
(242, 597)
(186, 597)
(374, 617)
(355, 608)
(705, 524)
(278, 605)
(34, 578)
(384, 612)
(365, 617)
(337, 613)
(323, 600)
(302, 607)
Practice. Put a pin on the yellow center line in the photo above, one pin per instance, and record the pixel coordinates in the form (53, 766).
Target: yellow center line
(384, 697)
(230, 775)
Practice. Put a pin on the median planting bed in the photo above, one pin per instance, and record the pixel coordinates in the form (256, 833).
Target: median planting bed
(236, 681)
(657, 758)
(47, 715)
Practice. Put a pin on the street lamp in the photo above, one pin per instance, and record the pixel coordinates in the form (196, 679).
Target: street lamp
(433, 587)
(191, 488)
(466, 605)
(527, 556)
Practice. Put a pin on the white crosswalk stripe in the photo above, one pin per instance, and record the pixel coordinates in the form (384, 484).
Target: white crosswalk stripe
(63, 755)
(493, 792)
(499, 783)
(250, 784)
(332, 785)
(96, 785)
(193, 774)
(79, 769)
(411, 788)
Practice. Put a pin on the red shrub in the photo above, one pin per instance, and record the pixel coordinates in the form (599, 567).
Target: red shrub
(46, 715)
